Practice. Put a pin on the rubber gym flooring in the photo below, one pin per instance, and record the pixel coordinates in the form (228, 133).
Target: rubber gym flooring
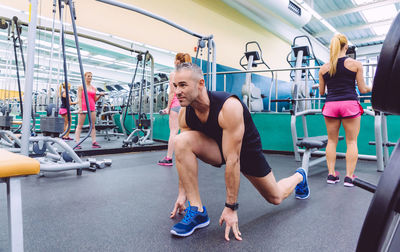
(126, 207)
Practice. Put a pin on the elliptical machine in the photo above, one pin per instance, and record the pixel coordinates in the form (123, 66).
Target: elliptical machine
(252, 96)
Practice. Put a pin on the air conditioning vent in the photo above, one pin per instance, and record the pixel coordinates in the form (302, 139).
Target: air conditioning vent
(296, 9)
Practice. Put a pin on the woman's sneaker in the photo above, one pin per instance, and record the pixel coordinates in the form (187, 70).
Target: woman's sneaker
(192, 220)
(349, 181)
(333, 179)
(165, 161)
(96, 145)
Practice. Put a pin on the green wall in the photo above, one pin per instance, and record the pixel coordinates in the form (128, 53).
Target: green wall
(275, 131)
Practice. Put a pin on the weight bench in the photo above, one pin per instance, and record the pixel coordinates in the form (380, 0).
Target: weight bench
(11, 167)
(312, 144)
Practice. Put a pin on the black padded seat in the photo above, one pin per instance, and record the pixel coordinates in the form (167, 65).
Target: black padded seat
(105, 126)
(315, 142)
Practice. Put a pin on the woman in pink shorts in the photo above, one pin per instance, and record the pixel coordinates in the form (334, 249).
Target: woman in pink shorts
(63, 109)
(173, 110)
(338, 76)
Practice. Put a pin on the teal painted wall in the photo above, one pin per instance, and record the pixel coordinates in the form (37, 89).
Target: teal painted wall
(275, 131)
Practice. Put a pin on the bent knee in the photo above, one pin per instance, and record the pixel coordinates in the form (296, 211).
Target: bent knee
(182, 141)
(275, 200)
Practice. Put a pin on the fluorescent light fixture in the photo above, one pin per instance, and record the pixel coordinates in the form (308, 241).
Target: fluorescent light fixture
(381, 30)
(85, 53)
(73, 50)
(47, 44)
(101, 57)
(122, 39)
(380, 13)
(157, 49)
(70, 49)
(361, 2)
(316, 15)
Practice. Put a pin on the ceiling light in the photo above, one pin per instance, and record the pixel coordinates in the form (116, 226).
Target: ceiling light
(316, 15)
(73, 50)
(380, 13)
(157, 48)
(361, 2)
(101, 57)
(84, 53)
(47, 44)
(381, 30)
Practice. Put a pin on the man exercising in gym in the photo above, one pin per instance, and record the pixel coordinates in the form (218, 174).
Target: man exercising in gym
(217, 128)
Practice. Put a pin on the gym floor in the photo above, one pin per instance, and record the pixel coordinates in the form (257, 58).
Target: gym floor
(126, 207)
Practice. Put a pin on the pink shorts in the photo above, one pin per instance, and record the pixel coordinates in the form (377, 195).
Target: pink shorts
(62, 111)
(342, 109)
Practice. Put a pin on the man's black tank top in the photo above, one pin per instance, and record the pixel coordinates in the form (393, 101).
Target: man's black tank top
(251, 139)
(341, 86)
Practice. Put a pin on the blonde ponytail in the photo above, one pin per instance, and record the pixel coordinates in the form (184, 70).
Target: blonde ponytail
(61, 87)
(337, 43)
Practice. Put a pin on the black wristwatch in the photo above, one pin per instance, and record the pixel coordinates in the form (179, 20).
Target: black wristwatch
(234, 206)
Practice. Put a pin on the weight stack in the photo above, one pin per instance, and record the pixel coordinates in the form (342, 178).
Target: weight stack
(51, 126)
(143, 123)
(5, 122)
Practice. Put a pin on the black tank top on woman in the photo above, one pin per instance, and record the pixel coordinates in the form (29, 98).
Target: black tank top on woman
(63, 102)
(341, 86)
(251, 139)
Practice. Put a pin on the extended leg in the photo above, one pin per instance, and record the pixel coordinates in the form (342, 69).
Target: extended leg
(275, 192)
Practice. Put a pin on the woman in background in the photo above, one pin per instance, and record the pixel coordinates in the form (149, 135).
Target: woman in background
(91, 90)
(63, 109)
(172, 109)
(342, 105)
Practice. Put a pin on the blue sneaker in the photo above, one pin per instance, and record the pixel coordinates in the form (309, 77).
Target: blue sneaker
(302, 189)
(192, 220)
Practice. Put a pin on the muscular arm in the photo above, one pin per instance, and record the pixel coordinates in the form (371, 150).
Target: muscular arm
(232, 123)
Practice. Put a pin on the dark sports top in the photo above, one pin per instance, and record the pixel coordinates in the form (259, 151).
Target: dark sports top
(341, 86)
(251, 139)
(63, 102)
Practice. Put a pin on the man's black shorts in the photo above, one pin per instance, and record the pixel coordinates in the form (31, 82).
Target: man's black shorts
(252, 163)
